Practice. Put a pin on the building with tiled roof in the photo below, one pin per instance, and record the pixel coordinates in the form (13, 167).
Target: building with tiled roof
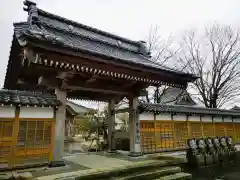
(75, 119)
(28, 118)
(25, 98)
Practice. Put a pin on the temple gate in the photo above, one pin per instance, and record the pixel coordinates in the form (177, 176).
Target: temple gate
(52, 54)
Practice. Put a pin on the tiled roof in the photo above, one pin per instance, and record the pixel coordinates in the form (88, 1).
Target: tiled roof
(77, 108)
(237, 108)
(8, 97)
(60, 31)
(176, 96)
(186, 109)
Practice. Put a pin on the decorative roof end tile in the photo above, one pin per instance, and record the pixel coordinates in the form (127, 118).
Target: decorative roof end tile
(32, 10)
(143, 49)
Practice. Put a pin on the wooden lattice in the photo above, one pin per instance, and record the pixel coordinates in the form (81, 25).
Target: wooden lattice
(195, 129)
(34, 142)
(6, 130)
(208, 130)
(147, 133)
(181, 134)
(164, 135)
(219, 129)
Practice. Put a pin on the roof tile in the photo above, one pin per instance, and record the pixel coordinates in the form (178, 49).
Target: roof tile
(56, 30)
(8, 97)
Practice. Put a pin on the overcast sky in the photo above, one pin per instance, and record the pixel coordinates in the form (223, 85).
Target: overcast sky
(128, 18)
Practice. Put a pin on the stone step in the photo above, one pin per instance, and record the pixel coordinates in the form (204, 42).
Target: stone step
(138, 169)
(150, 174)
(177, 176)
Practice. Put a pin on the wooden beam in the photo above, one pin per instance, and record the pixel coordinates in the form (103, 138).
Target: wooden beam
(51, 83)
(79, 88)
(20, 81)
(123, 110)
(94, 78)
(28, 56)
(129, 85)
(64, 75)
(91, 80)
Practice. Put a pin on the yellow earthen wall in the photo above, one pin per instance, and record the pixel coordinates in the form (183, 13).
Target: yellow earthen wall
(25, 141)
(163, 134)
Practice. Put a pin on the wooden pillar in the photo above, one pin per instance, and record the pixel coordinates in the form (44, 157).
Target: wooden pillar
(155, 132)
(234, 129)
(189, 128)
(111, 127)
(58, 149)
(134, 127)
(15, 137)
(213, 125)
(174, 132)
(202, 130)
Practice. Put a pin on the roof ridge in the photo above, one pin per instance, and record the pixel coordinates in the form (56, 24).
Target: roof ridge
(75, 23)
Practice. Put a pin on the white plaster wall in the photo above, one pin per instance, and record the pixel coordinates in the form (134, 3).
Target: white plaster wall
(217, 119)
(7, 112)
(146, 116)
(181, 117)
(206, 118)
(163, 117)
(36, 112)
(194, 118)
(227, 119)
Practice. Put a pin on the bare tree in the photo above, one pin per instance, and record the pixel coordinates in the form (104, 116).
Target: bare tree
(163, 52)
(215, 58)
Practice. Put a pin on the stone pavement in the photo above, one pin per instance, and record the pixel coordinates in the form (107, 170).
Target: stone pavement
(86, 163)
(82, 162)
(95, 161)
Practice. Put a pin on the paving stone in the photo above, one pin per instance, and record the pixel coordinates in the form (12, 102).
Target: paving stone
(26, 176)
(96, 161)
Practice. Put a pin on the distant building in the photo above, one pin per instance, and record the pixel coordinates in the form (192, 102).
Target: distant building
(236, 108)
(75, 118)
(176, 96)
